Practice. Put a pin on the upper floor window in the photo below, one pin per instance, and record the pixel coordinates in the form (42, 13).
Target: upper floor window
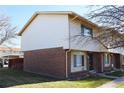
(85, 31)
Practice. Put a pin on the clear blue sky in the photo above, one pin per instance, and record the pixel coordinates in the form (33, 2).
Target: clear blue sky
(20, 14)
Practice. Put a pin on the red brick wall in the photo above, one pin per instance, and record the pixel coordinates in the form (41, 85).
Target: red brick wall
(16, 63)
(50, 62)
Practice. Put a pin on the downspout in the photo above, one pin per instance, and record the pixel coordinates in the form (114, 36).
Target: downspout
(69, 46)
(67, 62)
(68, 51)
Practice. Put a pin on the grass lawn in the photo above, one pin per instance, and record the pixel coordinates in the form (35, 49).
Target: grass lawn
(121, 85)
(14, 78)
(116, 73)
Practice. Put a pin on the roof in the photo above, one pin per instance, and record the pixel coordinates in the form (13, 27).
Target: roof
(7, 49)
(54, 12)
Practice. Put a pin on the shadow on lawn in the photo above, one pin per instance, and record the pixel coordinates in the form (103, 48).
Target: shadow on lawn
(9, 78)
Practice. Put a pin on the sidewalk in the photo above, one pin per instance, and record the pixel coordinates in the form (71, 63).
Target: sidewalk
(113, 84)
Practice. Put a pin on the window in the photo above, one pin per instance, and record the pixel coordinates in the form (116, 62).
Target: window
(106, 59)
(78, 60)
(75, 60)
(86, 31)
(123, 59)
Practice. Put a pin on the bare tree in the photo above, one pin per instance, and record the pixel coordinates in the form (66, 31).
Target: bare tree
(7, 31)
(109, 16)
(111, 21)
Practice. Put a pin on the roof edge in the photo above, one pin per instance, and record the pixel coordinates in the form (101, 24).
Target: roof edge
(28, 23)
(52, 12)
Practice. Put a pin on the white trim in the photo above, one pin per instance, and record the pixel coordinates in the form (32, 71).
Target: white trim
(106, 65)
(122, 59)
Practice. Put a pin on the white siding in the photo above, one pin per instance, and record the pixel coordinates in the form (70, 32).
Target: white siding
(49, 31)
(46, 31)
(86, 44)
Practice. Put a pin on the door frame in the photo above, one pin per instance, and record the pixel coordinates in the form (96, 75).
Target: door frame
(90, 53)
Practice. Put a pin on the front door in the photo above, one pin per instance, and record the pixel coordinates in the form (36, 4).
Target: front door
(117, 61)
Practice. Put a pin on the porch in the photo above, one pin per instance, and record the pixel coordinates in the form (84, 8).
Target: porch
(94, 61)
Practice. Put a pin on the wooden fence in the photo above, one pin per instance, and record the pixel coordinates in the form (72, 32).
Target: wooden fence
(16, 63)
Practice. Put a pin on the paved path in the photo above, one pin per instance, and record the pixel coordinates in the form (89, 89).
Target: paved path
(114, 83)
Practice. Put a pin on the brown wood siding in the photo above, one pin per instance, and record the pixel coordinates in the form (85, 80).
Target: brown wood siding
(16, 63)
(97, 62)
(117, 61)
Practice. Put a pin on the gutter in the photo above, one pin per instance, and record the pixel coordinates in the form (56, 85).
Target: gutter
(69, 47)
(67, 62)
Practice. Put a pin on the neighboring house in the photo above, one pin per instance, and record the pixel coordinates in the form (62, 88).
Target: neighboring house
(9, 53)
(52, 46)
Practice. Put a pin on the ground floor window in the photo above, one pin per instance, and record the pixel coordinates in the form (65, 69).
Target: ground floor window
(123, 59)
(106, 59)
(78, 60)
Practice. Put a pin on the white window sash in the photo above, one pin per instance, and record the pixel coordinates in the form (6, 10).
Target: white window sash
(107, 58)
(78, 60)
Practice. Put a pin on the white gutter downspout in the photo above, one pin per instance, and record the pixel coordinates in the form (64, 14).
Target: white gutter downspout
(67, 62)
(69, 48)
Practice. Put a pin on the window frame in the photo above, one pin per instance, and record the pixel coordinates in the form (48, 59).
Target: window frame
(82, 31)
(106, 60)
(122, 59)
(75, 62)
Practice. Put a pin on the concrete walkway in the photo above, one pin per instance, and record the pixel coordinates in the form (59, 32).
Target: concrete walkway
(113, 84)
